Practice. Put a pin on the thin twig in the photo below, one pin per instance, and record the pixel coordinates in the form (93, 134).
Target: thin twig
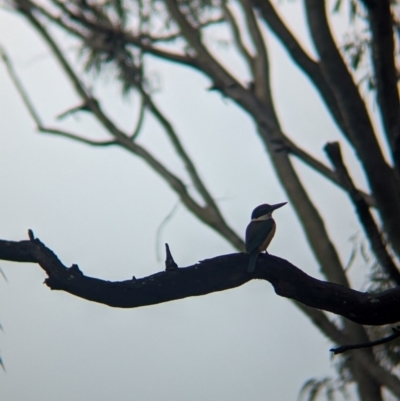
(69, 135)
(261, 70)
(173, 137)
(166, 219)
(344, 348)
(20, 88)
(5, 279)
(139, 123)
(35, 115)
(76, 109)
(142, 42)
(237, 38)
(176, 35)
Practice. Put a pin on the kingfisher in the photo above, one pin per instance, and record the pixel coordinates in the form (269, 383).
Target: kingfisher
(260, 231)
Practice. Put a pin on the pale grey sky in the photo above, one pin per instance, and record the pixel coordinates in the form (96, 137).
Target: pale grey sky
(101, 208)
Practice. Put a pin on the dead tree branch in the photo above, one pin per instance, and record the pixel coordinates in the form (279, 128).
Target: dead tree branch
(208, 276)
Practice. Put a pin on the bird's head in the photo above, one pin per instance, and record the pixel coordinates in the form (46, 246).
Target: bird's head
(264, 211)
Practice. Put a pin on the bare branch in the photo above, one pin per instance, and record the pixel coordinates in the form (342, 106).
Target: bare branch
(20, 88)
(209, 214)
(270, 132)
(69, 135)
(180, 150)
(78, 85)
(381, 177)
(140, 120)
(34, 114)
(160, 228)
(217, 274)
(317, 165)
(287, 143)
(177, 35)
(365, 216)
(365, 360)
(237, 37)
(81, 107)
(188, 32)
(261, 74)
(206, 63)
(383, 60)
(141, 42)
(162, 54)
(310, 67)
(344, 348)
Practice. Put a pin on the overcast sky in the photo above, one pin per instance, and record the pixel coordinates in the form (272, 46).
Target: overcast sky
(101, 209)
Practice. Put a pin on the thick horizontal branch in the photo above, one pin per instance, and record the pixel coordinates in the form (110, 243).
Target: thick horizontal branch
(211, 275)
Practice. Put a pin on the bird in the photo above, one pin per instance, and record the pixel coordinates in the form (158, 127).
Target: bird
(260, 231)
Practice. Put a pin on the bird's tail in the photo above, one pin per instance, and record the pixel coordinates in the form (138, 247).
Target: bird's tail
(252, 262)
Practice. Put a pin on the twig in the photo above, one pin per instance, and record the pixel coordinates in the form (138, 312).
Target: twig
(261, 67)
(138, 41)
(344, 348)
(237, 37)
(177, 35)
(82, 107)
(139, 123)
(166, 219)
(20, 88)
(65, 134)
(180, 150)
(35, 115)
(5, 279)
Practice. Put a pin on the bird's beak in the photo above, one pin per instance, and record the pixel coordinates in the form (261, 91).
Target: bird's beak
(278, 205)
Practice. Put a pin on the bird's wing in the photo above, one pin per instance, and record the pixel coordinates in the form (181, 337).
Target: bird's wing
(258, 233)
